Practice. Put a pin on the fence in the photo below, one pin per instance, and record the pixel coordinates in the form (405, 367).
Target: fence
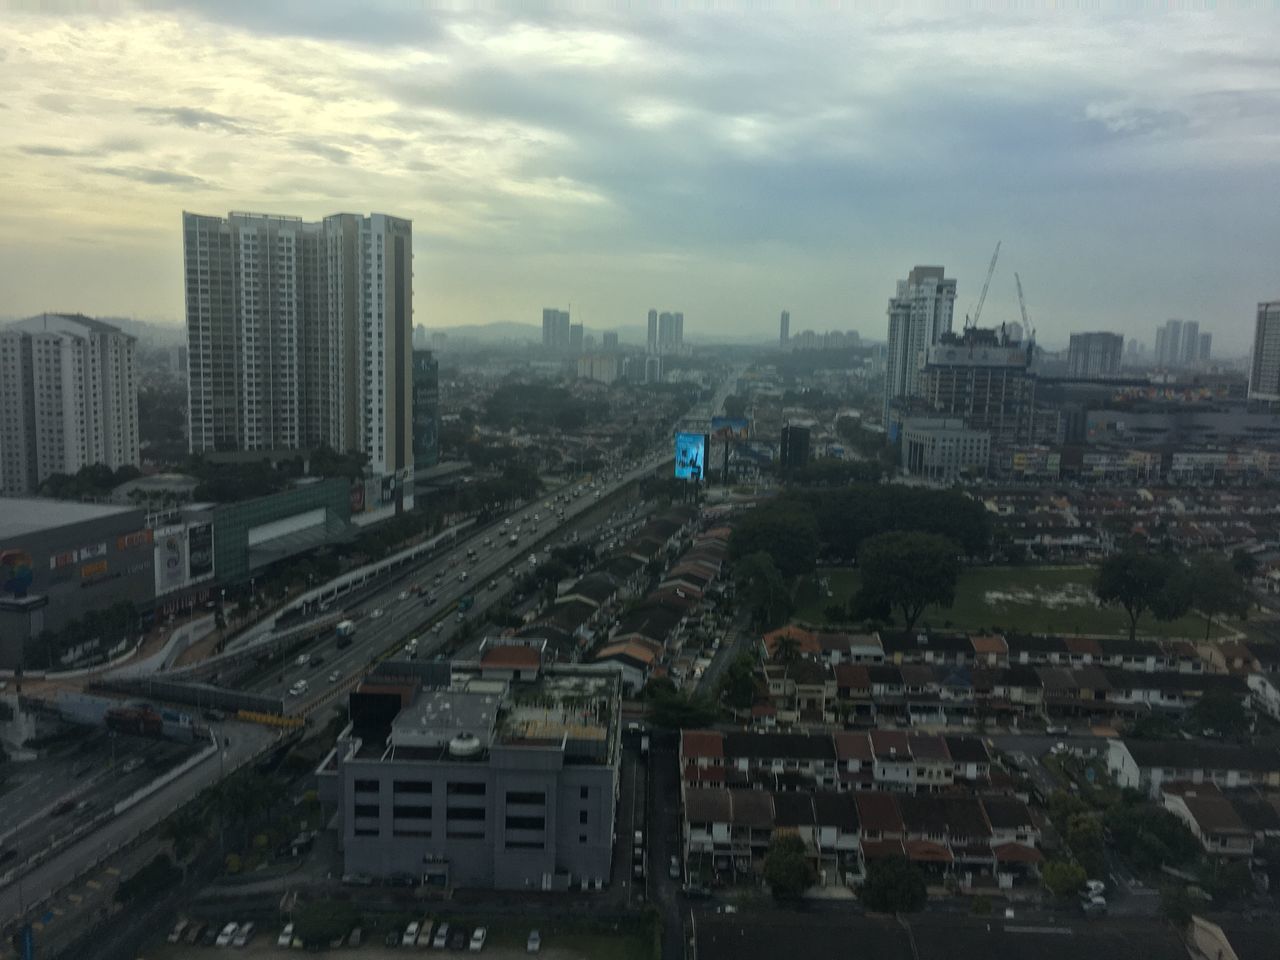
(200, 695)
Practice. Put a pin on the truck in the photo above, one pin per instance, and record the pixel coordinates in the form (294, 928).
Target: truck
(345, 631)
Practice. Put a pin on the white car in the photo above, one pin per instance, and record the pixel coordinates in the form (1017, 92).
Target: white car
(335, 676)
(227, 935)
(534, 943)
(304, 659)
(442, 937)
(403, 595)
(410, 935)
(286, 936)
(243, 935)
(477, 939)
(298, 689)
(439, 625)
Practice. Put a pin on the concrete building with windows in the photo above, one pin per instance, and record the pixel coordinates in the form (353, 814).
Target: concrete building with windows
(784, 328)
(556, 329)
(1264, 373)
(426, 409)
(300, 335)
(1094, 355)
(919, 314)
(68, 399)
(501, 774)
(942, 449)
(981, 377)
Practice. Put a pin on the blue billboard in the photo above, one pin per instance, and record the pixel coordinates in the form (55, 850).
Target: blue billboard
(691, 456)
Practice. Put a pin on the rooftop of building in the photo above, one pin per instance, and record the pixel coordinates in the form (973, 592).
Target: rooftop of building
(20, 516)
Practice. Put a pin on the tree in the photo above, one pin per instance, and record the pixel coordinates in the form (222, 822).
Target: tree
(787, 869)
(758, 578)
(908, 572)
(785, 530)
(678, 712)
(738, 685)
(1218, 588)
(1175, 905)
(894, 886)
(321, 921)
(1221, 710)
(1139, 582)
(1062, 878)
(1244, 564)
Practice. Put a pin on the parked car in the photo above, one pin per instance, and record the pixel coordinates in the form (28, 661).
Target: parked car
(286, 936)
(195, 932)
(410, 934)
(357, 936)
(178, 930)
(244, 935)
(534, 943)
(304, 659)
(478, 936)
(674, 869)
(442, 937)
(335, 676)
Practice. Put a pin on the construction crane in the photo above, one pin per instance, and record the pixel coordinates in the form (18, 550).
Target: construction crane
(1022, 305)
(983, 298)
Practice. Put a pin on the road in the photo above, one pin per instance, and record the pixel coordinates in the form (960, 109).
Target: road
(384, 619)
(36, 887)
(664, 843)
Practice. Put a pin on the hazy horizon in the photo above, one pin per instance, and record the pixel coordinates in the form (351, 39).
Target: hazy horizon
(728, 164)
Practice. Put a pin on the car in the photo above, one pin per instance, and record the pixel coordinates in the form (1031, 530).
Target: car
(488, 541)
(298, 689)
(1093, 906)
(335, 676)
(178, 930)
(410, 934)
(424, 933)
(244, 935)
(442, 937)
(130, 765)
(357, 936)
(673, 869)
(532, 560)
(403, 595)
(695, 892)
(637, 869)
(376, 613)
(439, 624)
(639, 838)
(493, 584)
(462, 577)
(460, 617)
(478, 936)
(304, 659)
(1095, 888)
(286, 936)
(534, 943)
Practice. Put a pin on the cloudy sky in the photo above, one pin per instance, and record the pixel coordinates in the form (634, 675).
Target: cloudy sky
(730, 160)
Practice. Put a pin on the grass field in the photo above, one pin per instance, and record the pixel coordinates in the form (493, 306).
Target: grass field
(1027, 599)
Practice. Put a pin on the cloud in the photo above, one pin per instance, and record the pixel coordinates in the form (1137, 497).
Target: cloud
(155, 177)
(193, 117)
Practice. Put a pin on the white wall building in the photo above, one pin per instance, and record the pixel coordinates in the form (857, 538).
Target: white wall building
(68, 399)
(1264, 374)
(918, 315)
(301, 334)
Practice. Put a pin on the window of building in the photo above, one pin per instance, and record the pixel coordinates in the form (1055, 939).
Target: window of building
(466, 789)
(365, 832)
(583, 792)
(582, 838)
(368, 786)
(582, 816)
(399, 831)
(466, 833)
(527, 796)
(526, 823)
(412, 786)
(366, 809)
(524, 845)
(466, 813)
(404, 810)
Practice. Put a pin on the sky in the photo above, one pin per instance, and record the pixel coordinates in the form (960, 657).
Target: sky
(725, 159)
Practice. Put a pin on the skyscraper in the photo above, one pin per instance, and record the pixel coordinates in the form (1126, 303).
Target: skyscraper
(1169, 341)
(68, 399)
(575, 338)
(784, 328)
(426, 409)
(1206, 345)
(300, 334)
(794, 449)
(555, 328)
(1190, 350)
(1092, 355)
(678, 330)
(1264, 375)
(918, 315)
(652, 343)
(609, 341)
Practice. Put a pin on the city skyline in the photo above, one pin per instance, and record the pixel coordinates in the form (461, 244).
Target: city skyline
(731, 164)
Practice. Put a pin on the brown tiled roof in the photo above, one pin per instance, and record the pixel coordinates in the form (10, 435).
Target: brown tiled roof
(1083, 645)
(751, 808)
(511, 656)
(1017, 853)
(852, 746)
(984, 643)
(878, 812)
(852, 676)
(702, 743)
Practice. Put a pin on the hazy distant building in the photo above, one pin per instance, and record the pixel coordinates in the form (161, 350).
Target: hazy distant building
(300, 334)
(784, 328)
(438, 342)
(68, 399)
(794, 451)
(575, 338)
(609, 341)
(981, 377)
(602, 367)
(1094, 355)
(919, 314)
(426, 409)
(1264, 375)
(653, 369)
(1206, 345)
(1190, 350)
(942, 449)
(555, 329)
(652, 342)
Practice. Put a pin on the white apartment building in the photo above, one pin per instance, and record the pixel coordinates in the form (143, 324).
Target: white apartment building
(918, 315)
(68, 399)
(1264, 373)
(301, 334)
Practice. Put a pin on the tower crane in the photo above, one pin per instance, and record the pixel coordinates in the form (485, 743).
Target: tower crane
(983, 298)
(1022, 305)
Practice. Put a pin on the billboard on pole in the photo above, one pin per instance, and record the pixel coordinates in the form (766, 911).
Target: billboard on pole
(733, 428)
(691, 456)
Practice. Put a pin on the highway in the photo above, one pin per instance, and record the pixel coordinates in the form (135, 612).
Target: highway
(389, 616)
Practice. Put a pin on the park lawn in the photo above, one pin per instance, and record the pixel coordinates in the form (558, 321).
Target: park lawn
(1023, 599)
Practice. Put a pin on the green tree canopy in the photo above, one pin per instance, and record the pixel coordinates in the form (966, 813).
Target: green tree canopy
(1063, 878)
(894, 886)
(787, 869)
(738, 685)
(786, 531)
(1221, 710)
(907, 572)
(762, 588)
(1138, 582)
(319, 922)
(1217, 589)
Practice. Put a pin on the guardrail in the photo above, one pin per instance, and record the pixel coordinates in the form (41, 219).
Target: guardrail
(167, 777)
